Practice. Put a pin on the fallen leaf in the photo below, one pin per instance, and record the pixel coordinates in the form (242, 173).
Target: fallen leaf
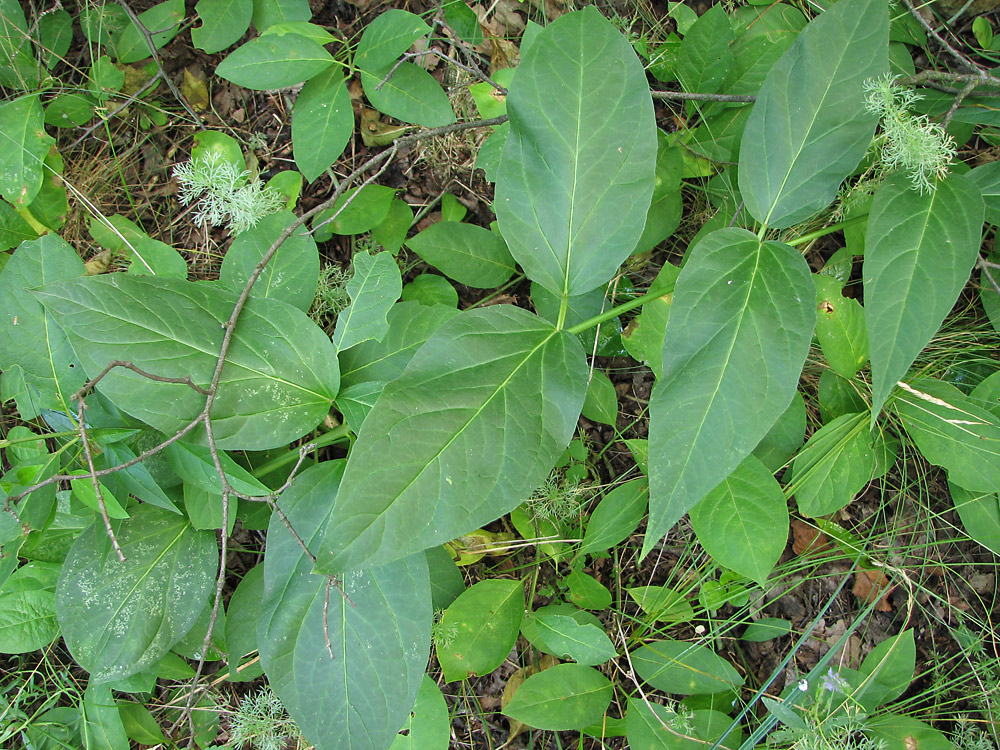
(872, 586)
(807, 538)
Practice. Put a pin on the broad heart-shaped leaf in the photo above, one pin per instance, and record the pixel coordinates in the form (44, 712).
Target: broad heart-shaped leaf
(119, 618)
(684, 668)
(485, 620)
(743, 523)
(836, 463)
(473, 425)
(23, 146)
(739, 331)
(563, 697)
(274, 62)
(410, 94)
(223, 22)
(470, 255)
(374, 289)
(32, 340)
(576, 177)
(322, 122)
(280, 375)
(919, 252)
(953, 432)
(809, 127)
(291, 274)
(379, 633)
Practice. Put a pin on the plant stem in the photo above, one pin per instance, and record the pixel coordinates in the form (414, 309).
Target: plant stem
(837, 226)
(614, 312)
(328, 438)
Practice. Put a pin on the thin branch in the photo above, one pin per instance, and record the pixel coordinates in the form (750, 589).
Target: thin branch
(82, 423)
(694, 97)
(441, 55)
(326, 619)
(985, 266)
(957, 102)
(940, 40)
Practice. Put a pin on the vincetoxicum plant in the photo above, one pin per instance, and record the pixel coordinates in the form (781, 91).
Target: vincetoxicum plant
(460, 416)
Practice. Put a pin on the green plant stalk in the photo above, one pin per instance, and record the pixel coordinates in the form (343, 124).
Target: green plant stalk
(835, 227)
(343, 432)
(614, 312)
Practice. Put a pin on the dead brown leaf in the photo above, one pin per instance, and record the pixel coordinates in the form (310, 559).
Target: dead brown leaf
(807, 538)
(872, 586)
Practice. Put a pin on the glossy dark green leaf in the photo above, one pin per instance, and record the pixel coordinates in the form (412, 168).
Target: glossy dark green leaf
(470, 255)
(280, 376)
(274, 62)
(563, 697)
(739, 331)
(743, 522)
(162, 21)
(379, 632)
(919, 253)
(119, 618)
(836, 463)
(482, 625)
(322, 122)
(684, 668)
(223, 22)
(577, 173)
(809, 127)
(24, 146)
(374, 288)
(469, 430)
(706, 53)
(291, 274)
(32, 339)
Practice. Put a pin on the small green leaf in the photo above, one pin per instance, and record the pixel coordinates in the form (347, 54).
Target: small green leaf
(470, 255)
(569, 639)
(25, 144)
(430, 289)
(601, 404)
(616, 516)
(481, 626)
(322, 122)
(587, 592)
(785, 437)
(836, 463)
(146, 256)
(162, 21)
(357, 211)
(987, 179)
(410, 94)
(388, 37)
(223, 22)
(194, 464)
(102, 723)
(464, 21)
(55, 35)
(274, 62)
(267, 13)
(563, 697)
(840, 327)
(891, 665)
(706, 52)
(392, 231)
(374, 288)
(662, 603)
(904, 733)
(684, 668)
(428, 726)
(766, 629)
(241, 623)
(27, 620)
(980, 514)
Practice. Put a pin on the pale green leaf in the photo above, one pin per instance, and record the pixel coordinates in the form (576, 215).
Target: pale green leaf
(919, 253)
(162, 21)
(899, 732)
(429, 725)
(27, 620)
(374, 288)
(194, 465)
(836, 463)
(987, 178)
(482, 625)
(378, 629)
(241, 623)
(357, 211)
(146, 255)
(980, 514)
(601, 403)
(23, 146)
(291, 274)
(684, 668)
(13, 229)
(809, 127)
(135, 479)
(739, 331)
(840, 327)
(410, 94)
(119, 618)
(322, 122)
(743, 522)
(583, 643)
(430, 289)
(274, 62)
(469, 430)
(785, 436)
(280, 375)
(470, 255)
(223, 22)
(577, 173)
(563, 697)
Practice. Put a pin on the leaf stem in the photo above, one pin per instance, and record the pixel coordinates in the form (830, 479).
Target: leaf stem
(810, 236)
(614, 312)
(328, 438)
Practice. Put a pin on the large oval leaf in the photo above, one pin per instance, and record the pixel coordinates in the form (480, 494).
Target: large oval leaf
(577, 173)
(738, 334)
(274, 62)
(379, 632)
(119, 618)
(919, 252)
(280, 375)
(809, 127)
(472, 426)
(24, 146)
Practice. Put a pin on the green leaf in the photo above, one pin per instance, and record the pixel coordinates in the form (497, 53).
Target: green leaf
(531, 632)
(429, 725)
(583, 643)
(223, 22)
(410, 326)
(469, 430)
(919, 253)
(586, 592)
(809, 128)
(577, 173)
(739, 331)
(322, 122)
(267, 13)
(891, 664)
(241, 622)
(388, 37)
(55, 34)
(291, 274)
(762, 36)
(274, 62)
(836, 463)
(119, 618)
(13, 229)
(482, 625)
(785, 437)
(616, 516)
(743, 522)
(374, 288)
(987, 179)
(899, 732)
(32, 340)
(139, 724)
(27, 620)
(83, 490)
(650, 726)
(25, 144)
(146, 255)
(379, 628)
(430, 289)
(102, 724)
(464, 21)
(105, 78)
(684, 668)
(194, 465)
(135, 479)
(563, 697)
(766, 629)
(706, 53)
(163, 21)
(951, 431)
(980, 514)
(410, 94)
(662, 603)
(357, 211)
(601, 403)
(840, 327)
(280, 376)
(470, 255)
(392, 231)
